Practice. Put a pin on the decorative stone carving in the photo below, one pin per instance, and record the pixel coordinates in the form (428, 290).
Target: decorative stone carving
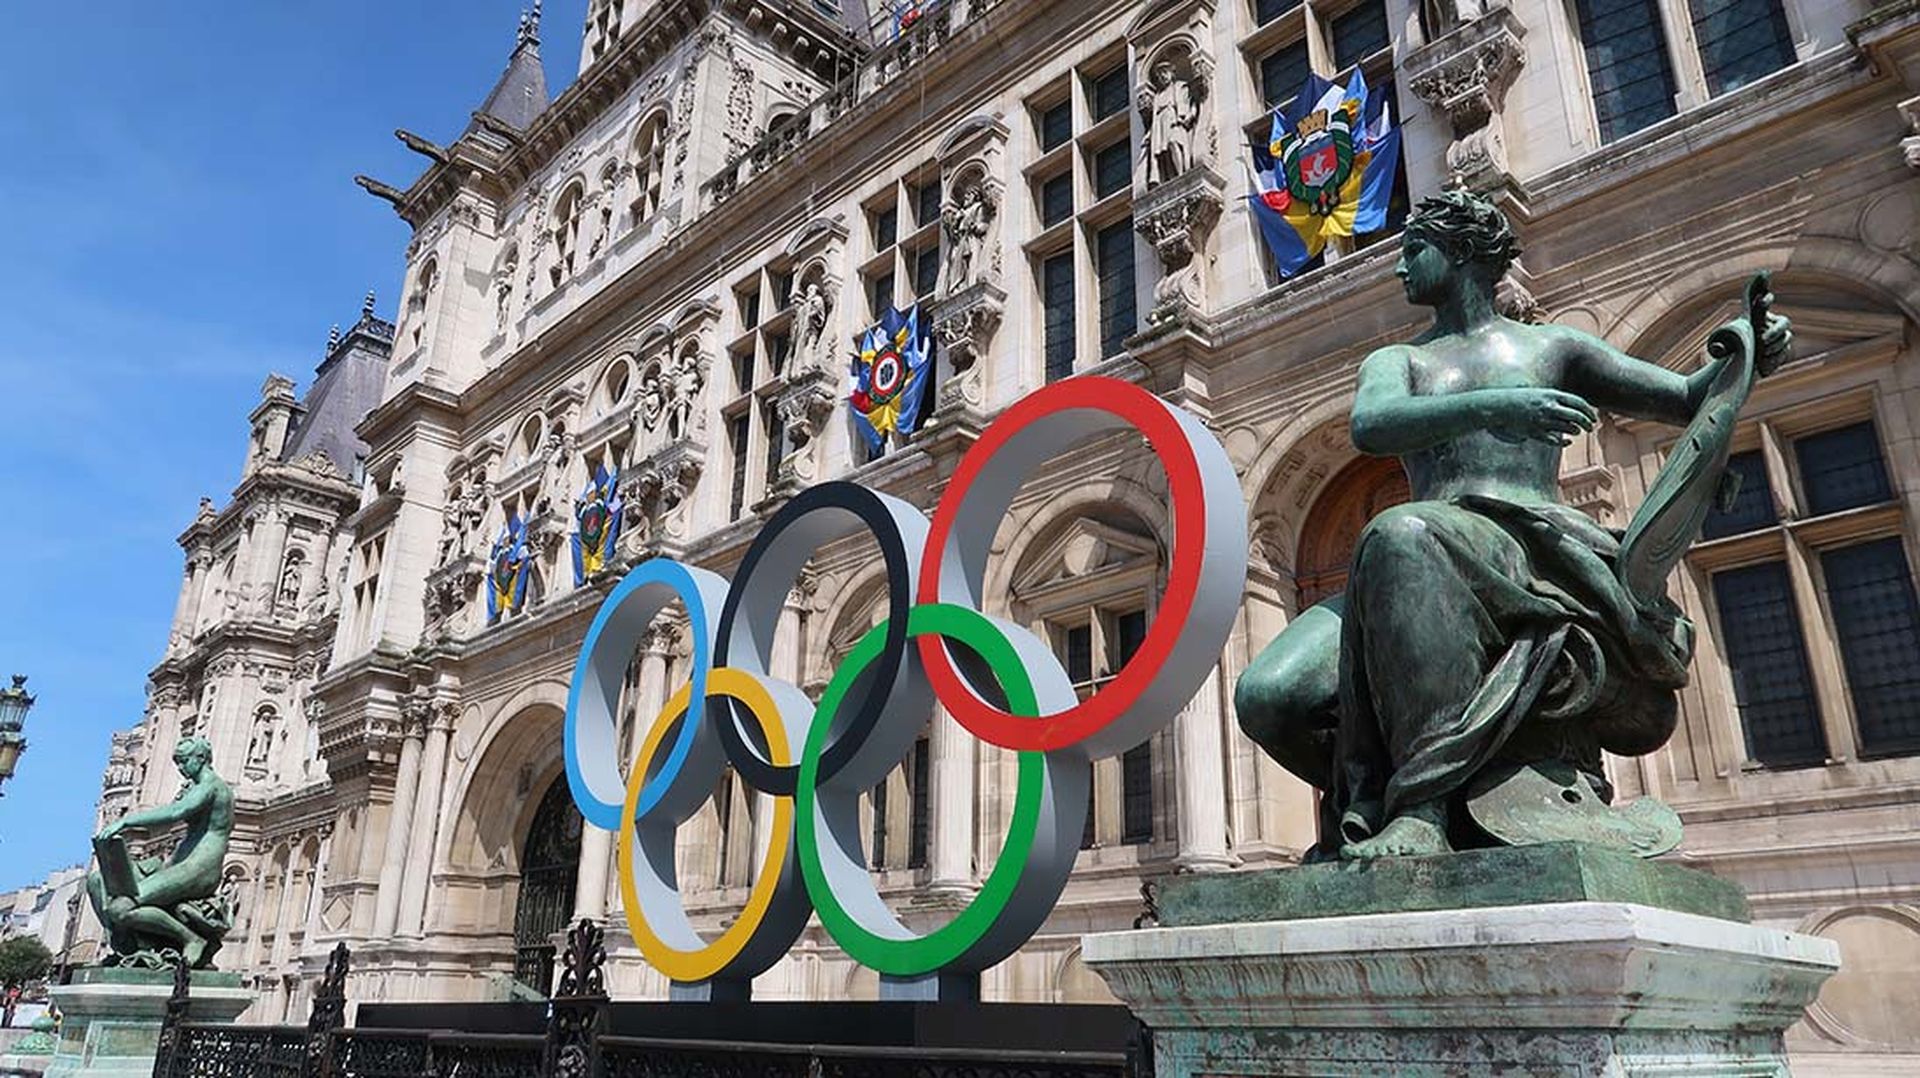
(1172, 101)
(967, 223)
(1177, 218)
(460, 518)
(683, 399)
(1465, 74)
(812, 313)
(656, 490)
(965, 324)
(804, 405)
(503, 288)
(449, 589)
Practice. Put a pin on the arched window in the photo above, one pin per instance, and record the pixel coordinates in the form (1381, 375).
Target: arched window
(549, 863)
(533, 433)
(616, 383)
(649, 166)
(1356, 494)
(566, 231)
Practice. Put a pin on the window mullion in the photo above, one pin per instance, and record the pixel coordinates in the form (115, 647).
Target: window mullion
(1786, 494)
(1829, 682)
(1689, 75)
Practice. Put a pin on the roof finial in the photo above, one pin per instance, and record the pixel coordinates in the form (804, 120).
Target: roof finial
(529, 26)
(366, 305)
(333, 338)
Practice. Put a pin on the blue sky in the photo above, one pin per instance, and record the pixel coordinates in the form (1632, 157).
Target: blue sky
(180, 220)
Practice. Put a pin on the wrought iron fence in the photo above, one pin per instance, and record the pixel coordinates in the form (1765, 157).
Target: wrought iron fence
(575, 1044)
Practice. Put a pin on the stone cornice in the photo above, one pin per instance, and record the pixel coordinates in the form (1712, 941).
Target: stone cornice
(405, 409)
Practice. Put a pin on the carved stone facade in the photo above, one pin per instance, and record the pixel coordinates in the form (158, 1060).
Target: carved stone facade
(815, 173)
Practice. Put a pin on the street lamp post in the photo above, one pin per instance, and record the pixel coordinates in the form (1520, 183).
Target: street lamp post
(14, 705)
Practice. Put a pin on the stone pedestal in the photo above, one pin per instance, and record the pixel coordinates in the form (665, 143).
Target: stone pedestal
(111, 1017)
(1572, 986)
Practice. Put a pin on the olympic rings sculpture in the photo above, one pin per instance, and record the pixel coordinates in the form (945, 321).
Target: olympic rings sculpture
(997, 679)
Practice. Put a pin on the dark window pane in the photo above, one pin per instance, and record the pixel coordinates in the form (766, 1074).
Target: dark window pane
(877, 853)
(881, 295)
(750, 309)
(1741, 41)
(1115, 254)
(1129, 630)
(886, 229)
(1753, 508)
(1282, 72)
(737, 433)
(743, 369)
(1056, 289)
(1136, 794)
(1359, 33)
(776, 438)
(1056, 200)
(1079, 657)
(1086, 833)
(1109, 93)
(1760, 632)
(1113, 169)
(926, 203)
(1874, 615)
(782, 290)
(1265, 11)
(921, 791)
(779, 347)
(1842, 469)
(926, 272)
(1056, 126)
(1627, 64)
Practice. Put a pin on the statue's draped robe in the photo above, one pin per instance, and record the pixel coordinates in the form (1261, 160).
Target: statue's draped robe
(1478, 632)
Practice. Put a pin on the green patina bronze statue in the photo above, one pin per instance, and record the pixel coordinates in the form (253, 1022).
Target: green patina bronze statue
(159, 912)
(1492, 642)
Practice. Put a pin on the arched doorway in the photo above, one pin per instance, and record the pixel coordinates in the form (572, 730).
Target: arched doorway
(549, 862)
(1355, 496)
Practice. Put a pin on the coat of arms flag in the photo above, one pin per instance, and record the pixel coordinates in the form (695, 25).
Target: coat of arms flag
(1327, 171)
(891, 369)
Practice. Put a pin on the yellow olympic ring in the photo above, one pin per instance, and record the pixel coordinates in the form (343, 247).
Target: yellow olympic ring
(692, 966)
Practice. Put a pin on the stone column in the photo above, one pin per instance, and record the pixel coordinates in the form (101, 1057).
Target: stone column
(1201, 782)
(406, 781)
(650, 696)
(426, 802)
(270, 546)
(282, 924)
(952, 811)
(317, 898)
(187, 609)
(784, 664)
(257, 913)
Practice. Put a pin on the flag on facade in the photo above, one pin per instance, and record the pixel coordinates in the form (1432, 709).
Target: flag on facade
(891, 369)
(508, 567)
(1330, 172)
(907, 12)
(596, 520)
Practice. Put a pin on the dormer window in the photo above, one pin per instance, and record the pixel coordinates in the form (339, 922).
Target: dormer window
(566, 231)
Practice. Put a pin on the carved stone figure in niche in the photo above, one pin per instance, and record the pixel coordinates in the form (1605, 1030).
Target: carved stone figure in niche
(260, 746)
(503, 288)
(814, 307)
(1492, 642)
(1170, 105)
(687, 383)
(653, 398)
(460, 521)
(289, 593)
(966, 220)
(553, 477)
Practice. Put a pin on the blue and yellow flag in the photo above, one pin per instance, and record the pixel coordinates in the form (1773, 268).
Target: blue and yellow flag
(1330, 173)
(596, 520)
(508, 566)
(891, 369)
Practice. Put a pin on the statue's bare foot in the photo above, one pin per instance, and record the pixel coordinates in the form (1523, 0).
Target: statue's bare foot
(1410, 835)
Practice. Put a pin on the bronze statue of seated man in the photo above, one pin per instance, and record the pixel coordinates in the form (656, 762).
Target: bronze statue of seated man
(1487, 629)
(154, 909)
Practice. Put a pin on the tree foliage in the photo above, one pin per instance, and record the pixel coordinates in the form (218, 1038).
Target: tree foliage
(23, 959)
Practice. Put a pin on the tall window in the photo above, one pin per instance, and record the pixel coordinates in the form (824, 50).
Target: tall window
(1740, 41)
(1627, 64)
(1814, 596)
(1082, 190)
(1093, 646)
(649, 167)
(758, 357)
(566, 232)
(739, 434)
(903, 221)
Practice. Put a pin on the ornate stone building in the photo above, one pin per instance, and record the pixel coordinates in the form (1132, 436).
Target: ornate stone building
(660, 269)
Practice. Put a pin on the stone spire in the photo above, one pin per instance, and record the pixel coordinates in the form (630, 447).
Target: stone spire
(366, 305)
(333, 338)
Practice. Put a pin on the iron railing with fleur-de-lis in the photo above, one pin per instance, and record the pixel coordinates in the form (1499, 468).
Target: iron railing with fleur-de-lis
(577, 1042)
